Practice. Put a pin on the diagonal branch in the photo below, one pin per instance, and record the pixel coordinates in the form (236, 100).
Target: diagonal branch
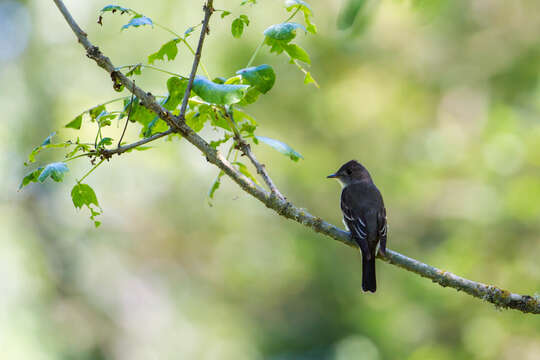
(208, 10)
(498, 297)
(246, 150)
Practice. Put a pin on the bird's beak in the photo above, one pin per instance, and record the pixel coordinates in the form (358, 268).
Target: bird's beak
(332, 176)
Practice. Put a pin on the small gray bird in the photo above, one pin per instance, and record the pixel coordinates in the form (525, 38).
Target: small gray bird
(364, 215)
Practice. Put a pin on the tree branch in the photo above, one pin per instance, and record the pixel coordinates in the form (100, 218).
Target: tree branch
(246, 150)
(122, 149)
(208, 10)
(499, 297)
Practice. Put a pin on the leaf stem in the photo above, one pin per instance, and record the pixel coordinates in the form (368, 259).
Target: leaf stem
(91, 170)
(151, 67)
(293, 15)
(79, 156)
(255, 54)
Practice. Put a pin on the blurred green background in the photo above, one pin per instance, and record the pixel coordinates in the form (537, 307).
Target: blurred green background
(439, 99)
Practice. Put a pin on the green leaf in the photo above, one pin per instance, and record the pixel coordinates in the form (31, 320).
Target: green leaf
(244, 171)
(75, 123)
(135, 70)
(169, 49)
(237, 27)
(54, 170)
(46, 144)
(293, 5)
(214, 187)
(105, 141)
(225, 13)
(216, 143)
(48, 139)
(261, 77)
(96, 111)
(84, 195)
(220, 94)
(104, 119)
(281, 147)
(115, 8)
(177, 87)
(78, 147)
(284, 32)
(32, 177)
(138, 20)
(308, 79)
(297, 53)
(140, 114)
(196, 122)
(245, 19)
(251, 96)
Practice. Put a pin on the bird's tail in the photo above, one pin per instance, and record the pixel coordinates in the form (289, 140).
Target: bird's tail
(369, 282)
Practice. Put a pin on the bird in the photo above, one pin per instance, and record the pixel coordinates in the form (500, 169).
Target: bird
(364, 215)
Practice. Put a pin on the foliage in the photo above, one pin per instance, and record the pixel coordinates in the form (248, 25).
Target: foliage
(215, 103)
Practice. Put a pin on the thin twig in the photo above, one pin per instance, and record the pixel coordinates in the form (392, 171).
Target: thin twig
(208, 10)
(501, 298)
(128, 118)
(122, 149)
(246, 150)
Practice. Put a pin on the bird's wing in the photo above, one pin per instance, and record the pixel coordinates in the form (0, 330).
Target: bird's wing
(382, 229)
(357, 227)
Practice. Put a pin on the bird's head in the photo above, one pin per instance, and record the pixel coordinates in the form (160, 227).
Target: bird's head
(350, 172)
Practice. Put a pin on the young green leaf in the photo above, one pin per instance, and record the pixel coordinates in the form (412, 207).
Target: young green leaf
(214, 187)
(220, 94)
(169, 49)
(115, 8)
(281, 147)
(294, 5)
(84, 195)
(32, 177)
(297, 53)
(196, 121)
(225, 13)
(96, 111)
(245, 171)
(135, 70)
(45, 145)
(138, 20)
(141, 114)
(237, 27)
(308, 79)
(216, 143)
(55, 171)
(75, 123)
(104, 119)
(177, 87)
(283, 32)
(48, 139)
(251, 96)
(104, 142)
(155, 126)
(261, 77)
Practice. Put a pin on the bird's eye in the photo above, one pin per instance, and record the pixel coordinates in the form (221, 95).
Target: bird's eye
(349, 172)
